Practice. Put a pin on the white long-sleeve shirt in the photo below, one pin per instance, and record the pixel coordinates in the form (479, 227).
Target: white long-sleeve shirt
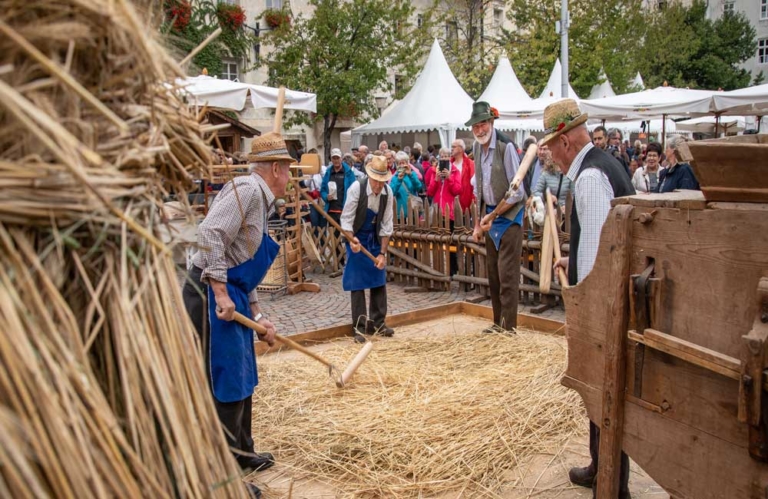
(350, 208)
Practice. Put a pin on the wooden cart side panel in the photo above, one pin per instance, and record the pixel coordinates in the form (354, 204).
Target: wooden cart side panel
(687, 462)
(709, 263)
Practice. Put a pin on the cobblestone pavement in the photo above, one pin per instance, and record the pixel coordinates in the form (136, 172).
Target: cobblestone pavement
(304, 311)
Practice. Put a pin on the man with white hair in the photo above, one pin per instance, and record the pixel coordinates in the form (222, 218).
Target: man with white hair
(383, 146)
(496, 165)
(235, 254)
(466, 168)
(597, 177)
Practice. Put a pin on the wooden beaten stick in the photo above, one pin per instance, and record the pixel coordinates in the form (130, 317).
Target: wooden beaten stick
(336, 225)
(279, 109)
(245, 321)
(530, 156)
(356, 361)
(555, 238)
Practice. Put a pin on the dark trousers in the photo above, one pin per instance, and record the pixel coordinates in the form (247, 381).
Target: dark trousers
(503, 267)
(594, 451)
(234, 416)
(378, 310)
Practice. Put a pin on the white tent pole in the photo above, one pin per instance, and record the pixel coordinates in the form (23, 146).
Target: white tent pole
(564, 47)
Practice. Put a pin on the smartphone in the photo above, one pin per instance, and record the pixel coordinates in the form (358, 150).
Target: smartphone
(443, 165)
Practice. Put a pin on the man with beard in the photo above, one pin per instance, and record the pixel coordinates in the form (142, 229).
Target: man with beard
(496, 162)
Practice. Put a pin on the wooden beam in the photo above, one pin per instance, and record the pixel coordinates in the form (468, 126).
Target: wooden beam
(416, 273)
(399, 254)
(612, 419)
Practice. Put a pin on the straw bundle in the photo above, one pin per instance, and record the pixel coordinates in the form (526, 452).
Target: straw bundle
(102, 389)
(422, 416)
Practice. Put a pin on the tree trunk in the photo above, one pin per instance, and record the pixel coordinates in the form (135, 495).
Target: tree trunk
(329, 121)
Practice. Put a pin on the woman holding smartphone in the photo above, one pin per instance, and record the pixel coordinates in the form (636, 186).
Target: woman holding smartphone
(444, 183)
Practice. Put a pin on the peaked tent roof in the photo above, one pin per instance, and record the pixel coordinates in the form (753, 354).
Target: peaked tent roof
(436, 101)
(504, 91)
(603, 89)
(555, 82)
(638, 81)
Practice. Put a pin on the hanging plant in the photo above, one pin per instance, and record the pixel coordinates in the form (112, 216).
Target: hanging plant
(276, 18)
(230, 17)
(179, 12)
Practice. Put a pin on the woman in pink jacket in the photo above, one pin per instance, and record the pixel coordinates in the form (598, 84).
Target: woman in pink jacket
(443, 183)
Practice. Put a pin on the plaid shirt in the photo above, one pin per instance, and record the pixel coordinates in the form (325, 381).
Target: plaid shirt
(592, 194)
(224, 238)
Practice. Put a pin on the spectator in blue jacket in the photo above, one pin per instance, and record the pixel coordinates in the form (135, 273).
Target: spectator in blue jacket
(676, 175)
(338, 177)
(405, 183)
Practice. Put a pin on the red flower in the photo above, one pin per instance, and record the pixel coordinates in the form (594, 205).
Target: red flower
(180, 12)
(495, 112)
(230, 16)
(560, 126)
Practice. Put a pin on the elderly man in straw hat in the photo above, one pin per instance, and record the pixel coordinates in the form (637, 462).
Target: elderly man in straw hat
(496, 163)
(598, 177)
(368, 213)
(235, 253)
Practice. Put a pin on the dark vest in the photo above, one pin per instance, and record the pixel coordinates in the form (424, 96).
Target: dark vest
(596, 158)
(499, 180)
(362, 207)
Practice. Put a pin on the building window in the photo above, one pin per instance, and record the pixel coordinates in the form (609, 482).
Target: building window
(229, 71)
(419, 21)
(275, 4)
(728, 7)
(762, 51)
(452, 31)
(498, 18)
(398, 84)
(763, 9)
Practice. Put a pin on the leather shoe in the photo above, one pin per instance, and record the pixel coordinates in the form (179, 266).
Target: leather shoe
(359, 338)
(253, 490)
(382, 330)
(583, 477)
(259, 461)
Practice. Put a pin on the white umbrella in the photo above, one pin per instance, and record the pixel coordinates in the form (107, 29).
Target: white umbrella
(706, 124)
(227, 94)
(654, 103)
(751, 101)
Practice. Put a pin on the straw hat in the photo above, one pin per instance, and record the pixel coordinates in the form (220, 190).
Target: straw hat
(559, 117)
(269, 147)
(377, 169)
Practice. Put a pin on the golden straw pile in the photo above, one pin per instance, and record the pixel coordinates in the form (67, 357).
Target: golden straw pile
(421, 416)
(102, 390)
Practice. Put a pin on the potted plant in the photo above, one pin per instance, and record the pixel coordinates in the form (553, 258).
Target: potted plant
(179, 12)
(230, 16)
(276, 18)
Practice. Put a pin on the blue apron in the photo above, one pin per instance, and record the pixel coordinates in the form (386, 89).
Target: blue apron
(500, 225)
(233, 361)
(360, 272)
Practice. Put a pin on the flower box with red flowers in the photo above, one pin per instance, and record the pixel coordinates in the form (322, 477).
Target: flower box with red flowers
(230, 16)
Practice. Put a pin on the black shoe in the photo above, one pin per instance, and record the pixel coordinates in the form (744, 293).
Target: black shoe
(583, 477)
(496, 329)
(382, 330)
(253, 490)
(359, 338)
(259, 461)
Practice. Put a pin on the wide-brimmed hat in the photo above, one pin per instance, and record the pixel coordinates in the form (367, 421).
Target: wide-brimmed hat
(559, 117)
(481, 111)
(269, 147)
(377, 169)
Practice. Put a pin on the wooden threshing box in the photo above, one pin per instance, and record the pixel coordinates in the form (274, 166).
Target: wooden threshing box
(667, 334)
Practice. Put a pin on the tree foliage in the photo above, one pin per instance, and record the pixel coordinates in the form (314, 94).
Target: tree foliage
(602, 34)
(470, 41)
(345, 52)
(690, 50)
(188, 23)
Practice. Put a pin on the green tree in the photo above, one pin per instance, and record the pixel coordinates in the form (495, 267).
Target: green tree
(602, 34)
(345, 52)
(188, 22)
(469, 35)
(689, 50)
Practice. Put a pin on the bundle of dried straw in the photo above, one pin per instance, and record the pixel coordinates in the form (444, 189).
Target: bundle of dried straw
(422, 416)
(102, 389)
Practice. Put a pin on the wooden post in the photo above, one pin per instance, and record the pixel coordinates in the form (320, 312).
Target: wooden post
(617, 288)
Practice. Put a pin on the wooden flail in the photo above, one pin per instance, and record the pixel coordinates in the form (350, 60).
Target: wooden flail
(667, 334)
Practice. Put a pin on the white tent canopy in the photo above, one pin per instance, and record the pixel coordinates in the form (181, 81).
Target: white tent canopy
(638, 82)
(554, 85)
(602, 90)
(504, 91)
(745, 101)
(706, 124)
(636, 126)
(436, 102)
(227, 94)
(653, 103)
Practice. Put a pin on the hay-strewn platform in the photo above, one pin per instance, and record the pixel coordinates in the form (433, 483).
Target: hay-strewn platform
(436, 410)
